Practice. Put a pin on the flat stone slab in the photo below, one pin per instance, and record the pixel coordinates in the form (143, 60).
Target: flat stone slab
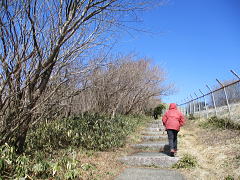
(152, 145)
(154, 138)
(157, 121)
(154, 133)
(149, 159)
(149, 174)
(155, 125)
(154, 129)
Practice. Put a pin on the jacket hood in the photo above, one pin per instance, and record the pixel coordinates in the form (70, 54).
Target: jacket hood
(172, 106)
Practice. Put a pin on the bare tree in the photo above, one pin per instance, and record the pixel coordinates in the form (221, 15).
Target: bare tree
(125, 85)
(38, 40)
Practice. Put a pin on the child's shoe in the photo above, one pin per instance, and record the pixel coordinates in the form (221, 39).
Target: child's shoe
(172, 152)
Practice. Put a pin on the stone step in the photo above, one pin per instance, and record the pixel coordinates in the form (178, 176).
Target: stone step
(152, 146)
(154, 129)
(154, 133)
(154, 138)
(156, 121)
(153, 125)
(149, 174)
(149, 159)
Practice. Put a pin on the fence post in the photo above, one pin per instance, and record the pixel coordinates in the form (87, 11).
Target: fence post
(198, 104)
(213, 99)
(226, 96)
(190, 107)
(185, 110)
(186, 107)
(205, 102)
(194, 108)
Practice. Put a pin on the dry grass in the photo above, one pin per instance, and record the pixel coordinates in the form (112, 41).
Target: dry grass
(217, 152)
(103, 165)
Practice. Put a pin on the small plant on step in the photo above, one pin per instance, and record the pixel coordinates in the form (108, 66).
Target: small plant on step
(229, 177)
(187, 161)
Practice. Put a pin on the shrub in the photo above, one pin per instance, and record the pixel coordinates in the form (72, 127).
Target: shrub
(187, 161)
(13, 166)
(159, 109)
(92, 132)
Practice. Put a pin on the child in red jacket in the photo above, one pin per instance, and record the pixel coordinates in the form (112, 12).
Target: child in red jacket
(173, 119)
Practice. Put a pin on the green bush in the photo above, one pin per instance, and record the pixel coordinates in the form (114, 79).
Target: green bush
(187, 161)
(13, 166)
(92, 132)
(159, 109)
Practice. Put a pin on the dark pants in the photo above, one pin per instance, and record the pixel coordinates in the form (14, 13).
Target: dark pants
(172, 138)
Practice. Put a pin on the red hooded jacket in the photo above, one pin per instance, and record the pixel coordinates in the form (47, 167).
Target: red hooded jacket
(173, 118)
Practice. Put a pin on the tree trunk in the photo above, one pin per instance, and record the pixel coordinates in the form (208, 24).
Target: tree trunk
(22, 134)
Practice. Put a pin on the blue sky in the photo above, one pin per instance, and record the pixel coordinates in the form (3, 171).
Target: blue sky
(195, 41)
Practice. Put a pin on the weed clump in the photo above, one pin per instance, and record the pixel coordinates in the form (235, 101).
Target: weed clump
(215, 122)
(229, 178)
(191, 117)
(186, 162)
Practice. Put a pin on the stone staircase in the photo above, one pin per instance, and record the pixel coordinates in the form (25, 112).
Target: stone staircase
(153, 151)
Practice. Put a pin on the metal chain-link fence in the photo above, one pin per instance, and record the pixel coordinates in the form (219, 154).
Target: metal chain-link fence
(222, 101)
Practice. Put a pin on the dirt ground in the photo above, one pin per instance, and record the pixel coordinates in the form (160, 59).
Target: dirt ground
(217, 152)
